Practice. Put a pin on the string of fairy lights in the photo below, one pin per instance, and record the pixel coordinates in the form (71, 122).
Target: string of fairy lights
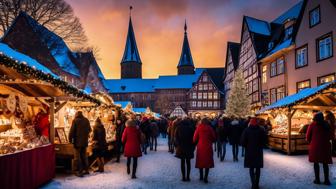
(32, 72)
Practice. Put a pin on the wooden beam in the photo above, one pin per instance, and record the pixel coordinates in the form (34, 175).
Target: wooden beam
(327, 100)
(52, 122)
(305, 107)
(58, 108)
(289, 136)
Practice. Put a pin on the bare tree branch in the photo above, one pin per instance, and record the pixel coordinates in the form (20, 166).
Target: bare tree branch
(57, 15)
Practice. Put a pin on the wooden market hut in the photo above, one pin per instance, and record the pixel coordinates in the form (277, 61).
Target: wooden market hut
(22, 75)
(320, 98)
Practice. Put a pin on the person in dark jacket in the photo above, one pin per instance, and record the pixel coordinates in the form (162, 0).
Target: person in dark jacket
(163, 127)
(79, 136)
(234, 137)
(253, 139)
(330, 118)
(154, 129)
(204, 137)
(244, 124)
(222, 137)
(99, 144)
(120, 126)
(184, 146)
(131, 139)
(318, 136)
(145, 129)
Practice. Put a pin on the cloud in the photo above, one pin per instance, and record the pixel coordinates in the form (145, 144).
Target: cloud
(158, 26)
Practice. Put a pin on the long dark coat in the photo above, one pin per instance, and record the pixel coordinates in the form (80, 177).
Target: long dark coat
(184, 140)
(99, 137)
(204, 137)
(235, 132)
(79, 131)
(131, 138)
(222, 131)
(319, 138)
(253, 139)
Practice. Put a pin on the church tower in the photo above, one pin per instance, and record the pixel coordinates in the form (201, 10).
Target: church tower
(131, 66)
(186, 63)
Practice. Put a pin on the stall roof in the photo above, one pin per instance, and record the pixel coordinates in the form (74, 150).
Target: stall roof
(300, 97)
(32, 78)
(139, 110)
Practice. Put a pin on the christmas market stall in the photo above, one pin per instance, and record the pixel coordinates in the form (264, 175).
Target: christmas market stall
(65, 115)
(291, 116)
(27, 107)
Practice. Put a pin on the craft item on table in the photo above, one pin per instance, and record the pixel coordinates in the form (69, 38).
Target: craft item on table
(11, 102)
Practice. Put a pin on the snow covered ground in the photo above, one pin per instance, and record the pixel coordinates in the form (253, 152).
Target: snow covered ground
(162, 170)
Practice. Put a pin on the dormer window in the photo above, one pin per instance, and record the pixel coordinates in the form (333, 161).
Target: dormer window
(314, 17)
(288, 32)
(270, 45)
(123, 87)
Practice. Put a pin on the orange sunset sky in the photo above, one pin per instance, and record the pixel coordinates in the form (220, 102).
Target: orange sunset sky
(158, 26)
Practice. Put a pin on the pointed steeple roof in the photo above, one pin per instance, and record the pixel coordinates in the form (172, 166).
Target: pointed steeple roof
(186, 58)
(131, 53)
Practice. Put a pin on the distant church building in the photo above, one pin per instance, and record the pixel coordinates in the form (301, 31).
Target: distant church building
(186, 63)
(131, 66)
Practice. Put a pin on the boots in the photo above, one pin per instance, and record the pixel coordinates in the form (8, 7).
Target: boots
(326, 175)
(317, 173)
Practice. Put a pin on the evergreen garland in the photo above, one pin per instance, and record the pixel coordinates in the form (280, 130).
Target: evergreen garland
(39, 75)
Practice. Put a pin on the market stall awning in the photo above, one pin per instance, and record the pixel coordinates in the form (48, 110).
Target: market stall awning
(32, 78)
(318, 97)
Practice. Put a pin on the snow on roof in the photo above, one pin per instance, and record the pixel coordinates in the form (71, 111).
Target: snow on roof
(131, 53)
(281, 46)
(149, 85)
(178, 81)
(129, 85)
(58, 49)
(123, 104)
(139, 110)
(258, 26)
(9, 52)
(295, 98)
(292, 13)
(87, 89)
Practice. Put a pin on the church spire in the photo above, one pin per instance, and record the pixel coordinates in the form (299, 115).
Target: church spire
(131, 53)
(186, 59)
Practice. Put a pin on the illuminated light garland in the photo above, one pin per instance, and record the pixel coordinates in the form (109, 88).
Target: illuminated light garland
(23, 68)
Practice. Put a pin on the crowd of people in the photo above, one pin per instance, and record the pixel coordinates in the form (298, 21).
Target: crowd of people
(185, 135)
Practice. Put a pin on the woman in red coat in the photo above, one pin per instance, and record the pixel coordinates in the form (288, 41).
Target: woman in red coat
(319, 135)
(131, 139)
(204, 137)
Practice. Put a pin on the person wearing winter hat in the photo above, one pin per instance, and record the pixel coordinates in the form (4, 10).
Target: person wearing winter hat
(253, 139)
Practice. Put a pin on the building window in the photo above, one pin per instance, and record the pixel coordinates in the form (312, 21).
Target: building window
(199, 104)
(193, 103)
(273, 69)
(280, 66)
(194, 95)
(205, 87)
(200, 87)
(325, 47)
(273, 95)
(205, 104)
(325, 79)
(288, 32)
(302, 85)
(264, 98)
(215, 95)
(255, 85)
(210, 95)
(199, 95)
(210, 87)
(264, 74)
(210, 104)
(314, 17)
(280, 92)
(301, 57)
(205, 95)
(215, 104)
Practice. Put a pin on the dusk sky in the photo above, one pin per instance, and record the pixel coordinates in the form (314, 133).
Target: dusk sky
(158, 26)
